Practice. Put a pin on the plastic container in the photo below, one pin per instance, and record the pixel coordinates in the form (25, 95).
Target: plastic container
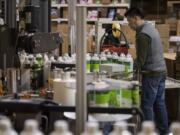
(148, 128)
(31, 128)
(6, 127)
(128, 62)
(92, 128)
(175, 128)
(109, 57)
(88, 63)
(115, 58)
(61, 128)
(95, 63)
(120, 128)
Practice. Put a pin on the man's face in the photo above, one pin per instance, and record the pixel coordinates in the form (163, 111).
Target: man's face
(132, 22)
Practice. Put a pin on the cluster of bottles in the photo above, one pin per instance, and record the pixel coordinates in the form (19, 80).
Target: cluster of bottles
(120, 128)
(93, 62)
(31, 127)
(36, 64)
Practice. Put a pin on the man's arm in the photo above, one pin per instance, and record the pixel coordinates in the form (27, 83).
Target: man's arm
(143, 42)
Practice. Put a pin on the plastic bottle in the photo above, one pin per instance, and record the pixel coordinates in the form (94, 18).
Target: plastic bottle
(92, 128)
(115, 58)
(60, 60)
(40, 60)
(129, 66)
(120, 128)
(175, 128)
(61, 128)
(95, 63)
(88, 63)
(31, 128)
(27, 63)
(121, 61)
(103, 60)
(148, 128)
(109, 57)
(6, 127)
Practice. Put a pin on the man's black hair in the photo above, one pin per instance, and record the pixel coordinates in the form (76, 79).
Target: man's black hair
(134, 11)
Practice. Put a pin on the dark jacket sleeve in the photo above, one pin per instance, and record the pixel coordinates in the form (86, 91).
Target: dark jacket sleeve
(143, 43)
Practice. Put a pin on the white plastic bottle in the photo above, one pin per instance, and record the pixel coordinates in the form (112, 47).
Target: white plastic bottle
(120, 128)
(175, 128)
(109, 57)
(115, 58)
(148, 128)
(6, 127)
(95, 63)
(122, 60)
(31, 128)
(88, 63)
(61, 128)
(92, 128)
(129, 65)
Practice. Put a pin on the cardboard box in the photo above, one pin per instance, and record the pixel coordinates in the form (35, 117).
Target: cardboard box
(132, 51)
(65, 13)
(106, 1)
(163, 30)
(90, 44)
(178, 28)
(172, 24)
(129, 34)
(64, 32)
(165, 44)
(54, 27)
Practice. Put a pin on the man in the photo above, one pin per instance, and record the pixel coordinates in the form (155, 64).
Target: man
(151, 64)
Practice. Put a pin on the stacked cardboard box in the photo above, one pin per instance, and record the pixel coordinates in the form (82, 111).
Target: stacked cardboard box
(130, 35)
(178, 28)
(164, 33)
